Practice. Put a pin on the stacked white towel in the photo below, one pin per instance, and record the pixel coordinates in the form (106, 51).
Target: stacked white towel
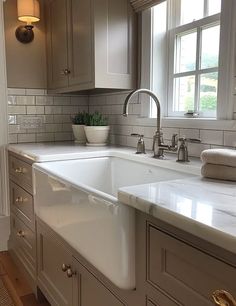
(219, 164)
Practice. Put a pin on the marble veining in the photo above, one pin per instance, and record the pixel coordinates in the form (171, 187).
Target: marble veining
(205, 208)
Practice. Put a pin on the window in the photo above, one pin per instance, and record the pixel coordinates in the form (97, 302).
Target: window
(193, 71)
(186, 37)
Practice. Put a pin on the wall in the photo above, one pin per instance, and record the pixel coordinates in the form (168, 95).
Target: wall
(26, 63)
(212, 134)
(55, 111)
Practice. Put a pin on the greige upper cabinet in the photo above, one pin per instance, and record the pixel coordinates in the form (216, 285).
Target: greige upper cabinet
(57, 43)
(91, 45)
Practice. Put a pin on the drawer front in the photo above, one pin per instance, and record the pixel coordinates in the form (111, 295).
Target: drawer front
(24, 236)
(20, 171)
(185, 273)
(23, 260)
(22, 204)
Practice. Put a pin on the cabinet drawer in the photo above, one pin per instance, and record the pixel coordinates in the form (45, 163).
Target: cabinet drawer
(187, 274)
(24, 236)
(23, 260)
(22, 204)
(20, 171)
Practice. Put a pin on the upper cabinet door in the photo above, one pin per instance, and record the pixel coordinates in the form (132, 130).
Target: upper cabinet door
(57, 44)
(91, 45)
(80, 38)
(115, 44)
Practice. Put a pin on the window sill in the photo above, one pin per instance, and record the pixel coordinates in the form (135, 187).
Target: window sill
(192, 123)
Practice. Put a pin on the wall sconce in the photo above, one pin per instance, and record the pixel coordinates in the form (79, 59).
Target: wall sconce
(28, 11)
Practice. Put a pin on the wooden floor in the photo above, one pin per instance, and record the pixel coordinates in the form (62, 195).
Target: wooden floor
(16, 283)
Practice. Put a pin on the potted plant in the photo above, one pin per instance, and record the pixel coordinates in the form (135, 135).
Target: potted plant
(78, 123)
(97, 130)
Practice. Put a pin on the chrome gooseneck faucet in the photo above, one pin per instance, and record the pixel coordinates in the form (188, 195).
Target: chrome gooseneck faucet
(158, 143)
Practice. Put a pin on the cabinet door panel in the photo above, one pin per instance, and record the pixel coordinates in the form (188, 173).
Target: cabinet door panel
(115, 46)
(90, 291)
(57, 43)
(80, 43)
(184, 272)
(53, 282)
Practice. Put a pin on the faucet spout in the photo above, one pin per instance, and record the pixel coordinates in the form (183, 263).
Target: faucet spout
(158, 143)
(153, 96)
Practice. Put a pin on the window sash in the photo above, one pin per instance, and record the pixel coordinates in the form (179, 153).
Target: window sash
(141, 5)
(185, 29)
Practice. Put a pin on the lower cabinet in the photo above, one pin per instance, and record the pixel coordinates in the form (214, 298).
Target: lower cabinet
(169, 272)
(53, 262)
(91, 291)
(64, 280)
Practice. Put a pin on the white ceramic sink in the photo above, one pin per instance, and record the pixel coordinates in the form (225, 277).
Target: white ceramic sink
(78, 199)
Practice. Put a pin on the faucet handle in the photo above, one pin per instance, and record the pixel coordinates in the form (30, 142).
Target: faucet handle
(137, 135)
(140, 144)
(193, 140)
(174, 140)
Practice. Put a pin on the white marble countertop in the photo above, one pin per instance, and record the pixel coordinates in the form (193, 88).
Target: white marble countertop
(56, 151)
(205, 208)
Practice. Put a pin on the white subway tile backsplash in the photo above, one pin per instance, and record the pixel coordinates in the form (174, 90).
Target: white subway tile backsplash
(44, 137)
(44, 100)
(25, 100)
(61, 100)
(16, 109)
(26, 138)
(211, 137)
(16, 91)
(12, 138)
(50, 128)
(70, 109)
(35, 92)
(55, 112)
(195, 149)
(35, 110)
(11, 100)
(63, 136)
(189, 133)
(11, 119)
(62, 118)
(169, 132)
(14, 129)
(230, 139)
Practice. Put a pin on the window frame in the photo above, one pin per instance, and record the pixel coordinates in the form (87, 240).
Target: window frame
(188, 28)
(227, 68)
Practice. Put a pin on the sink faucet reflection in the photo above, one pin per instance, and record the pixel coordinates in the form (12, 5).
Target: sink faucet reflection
(158, 143)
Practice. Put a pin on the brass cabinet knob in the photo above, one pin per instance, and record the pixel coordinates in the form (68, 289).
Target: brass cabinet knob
(223, 298)
(70, 273)
(21, 200)
(65, 267)
(21, 234)
(66, 71)
(20, 170)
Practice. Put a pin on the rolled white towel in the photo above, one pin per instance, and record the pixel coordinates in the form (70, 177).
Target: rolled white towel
(226, 157)
(219, 172)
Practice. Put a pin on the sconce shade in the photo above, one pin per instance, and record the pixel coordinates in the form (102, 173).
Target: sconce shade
(28, 11)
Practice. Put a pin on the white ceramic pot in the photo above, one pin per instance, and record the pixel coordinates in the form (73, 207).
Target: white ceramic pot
(97, 135)
(79, 134)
